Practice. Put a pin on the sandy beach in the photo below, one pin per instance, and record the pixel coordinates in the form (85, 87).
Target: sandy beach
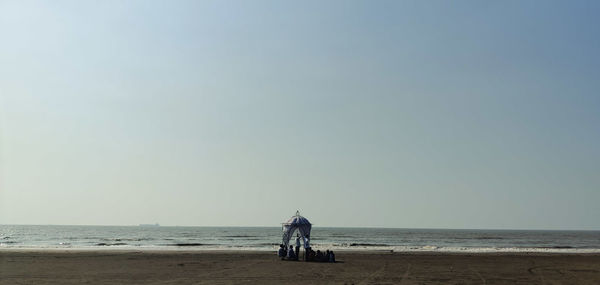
(177, 267)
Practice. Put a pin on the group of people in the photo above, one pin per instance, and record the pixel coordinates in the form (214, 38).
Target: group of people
(309, 255)
(290, 254)
(319, 256)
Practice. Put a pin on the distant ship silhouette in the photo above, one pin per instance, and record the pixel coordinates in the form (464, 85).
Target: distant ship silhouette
(150, 225)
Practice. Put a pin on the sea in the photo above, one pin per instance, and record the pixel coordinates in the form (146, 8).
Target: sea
(269, 238)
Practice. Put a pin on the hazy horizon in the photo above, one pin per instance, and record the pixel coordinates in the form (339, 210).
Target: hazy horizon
(397, 114)
(314, 226)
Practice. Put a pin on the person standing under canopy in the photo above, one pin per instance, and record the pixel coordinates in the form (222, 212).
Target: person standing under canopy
(297, 246)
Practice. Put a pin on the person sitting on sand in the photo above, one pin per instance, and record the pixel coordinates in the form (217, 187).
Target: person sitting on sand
(331, 256)
(319, 256)
(281, 253)
(310, 254)
(291, 253)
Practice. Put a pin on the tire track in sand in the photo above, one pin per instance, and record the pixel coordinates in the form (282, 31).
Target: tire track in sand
(374, 275)
(483, 281)
(404, 279)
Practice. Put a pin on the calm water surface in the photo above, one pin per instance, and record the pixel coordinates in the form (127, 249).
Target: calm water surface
(268, 238)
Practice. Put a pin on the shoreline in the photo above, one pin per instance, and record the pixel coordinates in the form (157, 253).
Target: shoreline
(274, 253)
(553, 251)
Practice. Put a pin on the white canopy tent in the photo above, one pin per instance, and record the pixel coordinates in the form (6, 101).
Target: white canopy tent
(299, 223)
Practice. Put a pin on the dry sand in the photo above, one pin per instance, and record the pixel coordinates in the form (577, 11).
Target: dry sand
(173, 267)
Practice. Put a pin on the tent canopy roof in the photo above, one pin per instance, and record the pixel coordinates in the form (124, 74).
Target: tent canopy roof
(297, 220)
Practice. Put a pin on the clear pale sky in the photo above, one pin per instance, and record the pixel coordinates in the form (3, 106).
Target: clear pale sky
(427, 114)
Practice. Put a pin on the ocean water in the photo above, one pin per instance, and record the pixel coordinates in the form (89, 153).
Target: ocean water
(269, 238)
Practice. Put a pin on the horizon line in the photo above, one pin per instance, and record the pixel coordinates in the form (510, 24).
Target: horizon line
(341, 227)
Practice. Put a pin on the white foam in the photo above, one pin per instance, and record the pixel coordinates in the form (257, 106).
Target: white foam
(458, 249)
(400, 249)
(492, 249)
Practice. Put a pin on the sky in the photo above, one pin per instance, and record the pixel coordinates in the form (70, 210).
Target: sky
(409, 114)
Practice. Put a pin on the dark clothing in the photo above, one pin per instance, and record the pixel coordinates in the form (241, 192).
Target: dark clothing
(291, 254)
(319, 256)
(281, 253)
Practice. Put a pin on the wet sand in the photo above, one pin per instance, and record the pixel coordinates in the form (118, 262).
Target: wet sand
(177, 267)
